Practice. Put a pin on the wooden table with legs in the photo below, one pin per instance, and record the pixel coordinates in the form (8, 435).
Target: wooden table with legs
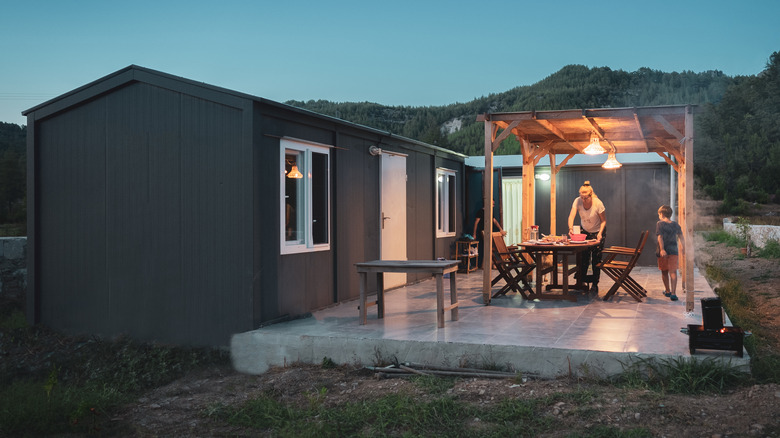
(436, 267)
(560, 253)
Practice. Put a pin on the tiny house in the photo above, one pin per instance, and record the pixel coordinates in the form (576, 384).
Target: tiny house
(176, 211)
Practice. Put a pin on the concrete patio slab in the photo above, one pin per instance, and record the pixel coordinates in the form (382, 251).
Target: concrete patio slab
(589, 337)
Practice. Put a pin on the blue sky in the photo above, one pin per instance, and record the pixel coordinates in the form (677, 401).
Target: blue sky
(412, 53)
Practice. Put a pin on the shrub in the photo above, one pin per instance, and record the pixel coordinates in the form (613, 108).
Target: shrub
(771, 250)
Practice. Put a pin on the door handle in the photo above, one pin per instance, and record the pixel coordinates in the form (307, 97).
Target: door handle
(383, 219)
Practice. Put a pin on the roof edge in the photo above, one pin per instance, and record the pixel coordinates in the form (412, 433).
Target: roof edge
(133, 71)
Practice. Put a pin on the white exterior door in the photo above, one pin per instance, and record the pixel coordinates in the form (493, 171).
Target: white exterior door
(393, 214)
(512, 198)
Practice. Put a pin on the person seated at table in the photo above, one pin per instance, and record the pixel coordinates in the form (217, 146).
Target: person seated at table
(479, 227)
(593, 222)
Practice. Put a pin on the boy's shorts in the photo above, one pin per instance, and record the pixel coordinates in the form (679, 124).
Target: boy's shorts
(668, 263)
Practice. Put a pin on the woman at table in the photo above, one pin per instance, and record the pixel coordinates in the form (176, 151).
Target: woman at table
(593, 222)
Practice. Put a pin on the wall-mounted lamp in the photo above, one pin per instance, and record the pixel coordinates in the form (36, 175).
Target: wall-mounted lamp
(542, 176)
(373, 150)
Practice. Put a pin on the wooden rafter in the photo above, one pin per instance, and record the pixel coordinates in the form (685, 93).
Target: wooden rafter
(669, 161)
(557, 168)
(641, 131)
(550, 127)
(541, 151)
(599, 131)
(504, 134)
(668, 127)
(670, 148)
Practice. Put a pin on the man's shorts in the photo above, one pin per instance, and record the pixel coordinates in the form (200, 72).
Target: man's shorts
(668, 263)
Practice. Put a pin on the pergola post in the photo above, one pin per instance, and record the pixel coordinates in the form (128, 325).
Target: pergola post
(685, 194)
(553, 174)
(529, 189)
(487, 197)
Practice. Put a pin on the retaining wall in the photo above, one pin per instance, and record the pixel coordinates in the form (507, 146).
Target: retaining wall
(759, 234)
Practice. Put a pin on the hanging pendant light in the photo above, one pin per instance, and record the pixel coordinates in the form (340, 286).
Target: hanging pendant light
(594, 148)
(294, 173)
(612, 162)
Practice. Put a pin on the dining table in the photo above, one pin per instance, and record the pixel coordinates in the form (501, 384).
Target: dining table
(560, 253)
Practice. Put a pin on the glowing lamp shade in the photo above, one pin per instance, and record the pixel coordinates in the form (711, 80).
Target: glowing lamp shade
(612, 162)
(594, 148)
(294, 173)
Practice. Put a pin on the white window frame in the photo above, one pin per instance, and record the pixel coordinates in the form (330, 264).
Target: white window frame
(305, 150)
(446, 229)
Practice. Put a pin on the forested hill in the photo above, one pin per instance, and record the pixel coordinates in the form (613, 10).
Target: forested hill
(573, 87)
(737, 147)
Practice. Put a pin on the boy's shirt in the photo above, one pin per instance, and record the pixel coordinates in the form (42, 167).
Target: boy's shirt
(668, 232)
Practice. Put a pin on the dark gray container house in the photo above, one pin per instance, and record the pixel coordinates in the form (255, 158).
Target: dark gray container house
(166, 209)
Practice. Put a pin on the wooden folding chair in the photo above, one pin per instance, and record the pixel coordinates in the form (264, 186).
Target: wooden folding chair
(513, 266)
(620, 270)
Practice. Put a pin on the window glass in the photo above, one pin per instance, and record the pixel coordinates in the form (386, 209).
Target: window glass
(445, 202)
(305, 208)
(319, 199)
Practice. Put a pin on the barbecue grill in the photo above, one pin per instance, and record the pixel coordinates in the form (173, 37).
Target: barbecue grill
(712, 334)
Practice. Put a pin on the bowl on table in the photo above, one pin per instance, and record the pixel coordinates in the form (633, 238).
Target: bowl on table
(577, 237)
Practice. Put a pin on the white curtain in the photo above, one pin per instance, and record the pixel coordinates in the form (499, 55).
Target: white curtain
(512, 192)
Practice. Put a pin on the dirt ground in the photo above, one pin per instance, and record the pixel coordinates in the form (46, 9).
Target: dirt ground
(179, 409)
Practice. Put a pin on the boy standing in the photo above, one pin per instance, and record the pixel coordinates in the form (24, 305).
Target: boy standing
(667, 232)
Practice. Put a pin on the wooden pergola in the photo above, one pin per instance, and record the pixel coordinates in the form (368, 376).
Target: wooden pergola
(664, 130)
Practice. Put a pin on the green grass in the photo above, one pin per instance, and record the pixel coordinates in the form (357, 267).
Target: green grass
(771, 250)
(13, 230)
(414, 416)
(73, 385)
(722, 236)
(681, 376)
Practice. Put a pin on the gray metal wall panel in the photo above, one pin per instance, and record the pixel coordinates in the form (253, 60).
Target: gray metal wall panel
(420, 210)
(147, 232)
(216, 219)
(143, 211)
(70, 240)
(631, 195)
(357, 210)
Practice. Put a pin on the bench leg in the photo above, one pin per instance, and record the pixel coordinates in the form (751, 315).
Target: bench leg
(453, 296)
(380, 295)
(363, 305)
(439, 300)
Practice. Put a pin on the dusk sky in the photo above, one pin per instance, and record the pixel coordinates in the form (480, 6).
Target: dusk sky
(410, 53)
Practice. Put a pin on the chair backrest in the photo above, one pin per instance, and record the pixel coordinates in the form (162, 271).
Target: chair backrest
(502, 253)
(499, 246)
(639, 246)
